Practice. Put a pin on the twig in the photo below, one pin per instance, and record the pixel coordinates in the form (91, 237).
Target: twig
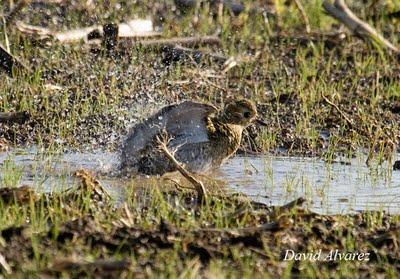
(8, 63)
(110, 38)
(177, 185)
(127, 31)
(14, 117)
(5, 265)
(289, 206)
(329, 102)
(303, 15)
(198, 185)
(174, 49)
(206, 80)
(178, 52)
(331, 37)
(182, 41)
(279, 210)
(342, 13)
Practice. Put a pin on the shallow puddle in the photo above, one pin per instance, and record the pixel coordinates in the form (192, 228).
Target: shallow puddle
(330, 188)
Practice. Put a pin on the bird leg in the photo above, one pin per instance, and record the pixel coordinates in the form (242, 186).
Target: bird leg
(198, 185)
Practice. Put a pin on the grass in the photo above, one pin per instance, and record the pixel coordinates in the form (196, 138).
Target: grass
(102, 96)
(154, 234)
(96, 100)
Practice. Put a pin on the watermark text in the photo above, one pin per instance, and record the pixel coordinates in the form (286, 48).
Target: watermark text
(327, 256)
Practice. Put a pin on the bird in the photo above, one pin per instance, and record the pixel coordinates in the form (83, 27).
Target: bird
(200, 136)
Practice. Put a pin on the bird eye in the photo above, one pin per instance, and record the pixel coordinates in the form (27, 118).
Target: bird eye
(246, 114)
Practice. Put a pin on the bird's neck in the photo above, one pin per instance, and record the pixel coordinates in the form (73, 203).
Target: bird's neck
(225, 134)
(222, 125)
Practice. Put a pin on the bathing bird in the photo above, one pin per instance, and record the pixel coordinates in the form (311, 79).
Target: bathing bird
(200, 137)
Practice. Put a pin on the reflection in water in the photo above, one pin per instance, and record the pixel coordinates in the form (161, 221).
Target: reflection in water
(331, 188)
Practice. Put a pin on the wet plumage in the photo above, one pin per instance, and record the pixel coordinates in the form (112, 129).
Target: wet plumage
(200, 136)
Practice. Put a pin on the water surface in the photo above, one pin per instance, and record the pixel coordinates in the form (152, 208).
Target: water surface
(330, 188)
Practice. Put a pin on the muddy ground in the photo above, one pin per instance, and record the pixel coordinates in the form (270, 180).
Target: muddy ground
(142, 241)
(322, 94)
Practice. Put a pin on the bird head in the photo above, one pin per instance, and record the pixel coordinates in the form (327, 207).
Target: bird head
(241, 112)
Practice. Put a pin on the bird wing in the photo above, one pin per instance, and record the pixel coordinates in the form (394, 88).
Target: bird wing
(187, 124)
(183, 122)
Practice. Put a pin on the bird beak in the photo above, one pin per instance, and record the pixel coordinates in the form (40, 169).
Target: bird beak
(261, 122)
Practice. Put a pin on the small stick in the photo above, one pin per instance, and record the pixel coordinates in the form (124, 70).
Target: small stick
(110, 38)
(331, 37)
(297, 202)
(185, 41)
(303, 15)
(201, 191)
(177, 52)
(329, 102)
(14, 117)
(278, 210)
(4, 264)
(342, 13)
(83, 34)
(177, 185)
(8, 62)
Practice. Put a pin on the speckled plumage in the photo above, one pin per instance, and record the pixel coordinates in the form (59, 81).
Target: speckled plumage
(200, 136)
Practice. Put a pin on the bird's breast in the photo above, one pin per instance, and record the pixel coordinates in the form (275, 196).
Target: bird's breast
(225, 137)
